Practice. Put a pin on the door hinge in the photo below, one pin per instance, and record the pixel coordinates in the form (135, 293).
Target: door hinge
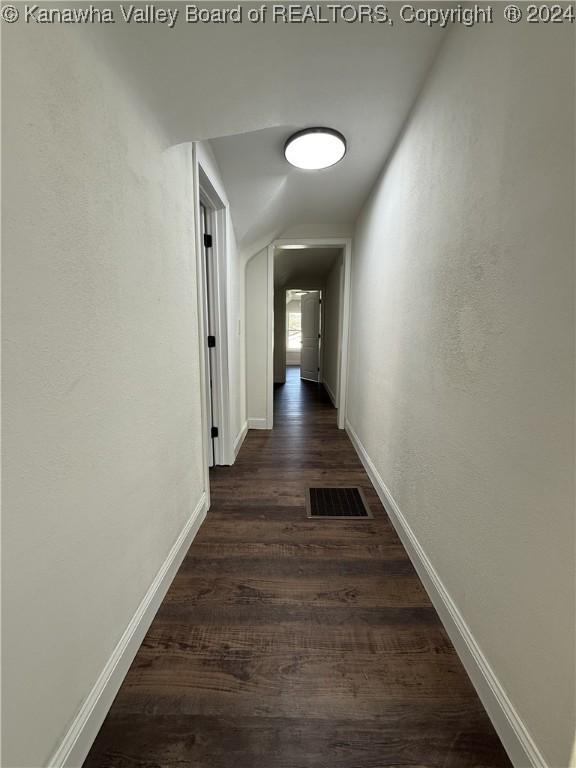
(319, 335)
(318, 369)
(319, 301)
(211, 341)
(207, 241)
(214, 432)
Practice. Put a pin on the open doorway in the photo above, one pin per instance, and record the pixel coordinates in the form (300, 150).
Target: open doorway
(211, 277)
(304, 332)
(308, 295)
(293, 328)
(209, 310)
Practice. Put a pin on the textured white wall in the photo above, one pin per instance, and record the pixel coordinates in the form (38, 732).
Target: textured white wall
(331, 330)
(102, 442)
(237, 337)
(256, 336)
(461, 361)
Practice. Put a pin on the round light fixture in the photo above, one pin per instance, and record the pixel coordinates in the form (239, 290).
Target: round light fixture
(315, 148)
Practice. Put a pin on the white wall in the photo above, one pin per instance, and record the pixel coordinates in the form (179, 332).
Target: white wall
(331, 330)
(257, 340)
(102, 442)
(293, 356)
(461, 362)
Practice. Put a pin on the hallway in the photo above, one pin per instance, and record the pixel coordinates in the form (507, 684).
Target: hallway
(190, 205)
(290, 643)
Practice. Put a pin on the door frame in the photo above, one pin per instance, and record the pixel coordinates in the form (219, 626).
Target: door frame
(311, 242)
(205, 193)
(208, 226)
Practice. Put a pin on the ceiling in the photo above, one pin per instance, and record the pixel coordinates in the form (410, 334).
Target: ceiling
(248, 86)
(304, 268)
(293, 295)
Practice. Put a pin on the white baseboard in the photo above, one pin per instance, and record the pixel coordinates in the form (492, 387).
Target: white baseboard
(257, 423)
(77, 742)
(331, 394)
(510, 727)
(240, 438)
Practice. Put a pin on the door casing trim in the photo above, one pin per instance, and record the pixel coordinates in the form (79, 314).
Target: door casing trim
(205, 192)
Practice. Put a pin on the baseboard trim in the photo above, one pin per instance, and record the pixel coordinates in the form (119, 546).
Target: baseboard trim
(77, 742)
(240, 438)
(510, 727)
(331, 394)
(257, 423)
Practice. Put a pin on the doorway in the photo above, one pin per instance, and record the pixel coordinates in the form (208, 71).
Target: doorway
(304, 332)
(212, 310)
(208, 277)
(293, 329)
(319, 265)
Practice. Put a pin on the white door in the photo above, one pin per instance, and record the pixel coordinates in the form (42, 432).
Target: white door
(310, 356)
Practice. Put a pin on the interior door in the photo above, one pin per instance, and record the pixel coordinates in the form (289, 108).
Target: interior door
(310, 355)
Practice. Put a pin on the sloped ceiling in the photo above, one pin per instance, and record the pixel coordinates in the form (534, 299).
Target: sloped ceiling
(249, 86)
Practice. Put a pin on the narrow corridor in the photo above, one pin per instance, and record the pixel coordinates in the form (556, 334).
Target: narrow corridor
(289, 643)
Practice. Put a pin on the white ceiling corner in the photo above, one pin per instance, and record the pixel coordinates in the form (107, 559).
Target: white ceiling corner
(248, 87)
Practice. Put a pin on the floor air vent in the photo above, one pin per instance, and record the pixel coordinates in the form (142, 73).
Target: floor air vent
(334, 503)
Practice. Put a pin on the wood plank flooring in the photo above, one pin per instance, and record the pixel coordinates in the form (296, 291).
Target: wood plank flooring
(286, 642)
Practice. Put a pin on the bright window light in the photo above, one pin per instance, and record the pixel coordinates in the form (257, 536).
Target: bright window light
(294, 330)
(315, 148)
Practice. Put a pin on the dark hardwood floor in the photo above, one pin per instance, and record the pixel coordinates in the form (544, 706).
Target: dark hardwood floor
(285, 642)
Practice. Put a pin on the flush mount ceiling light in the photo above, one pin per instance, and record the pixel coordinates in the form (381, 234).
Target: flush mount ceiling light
(292, 247)
(315, 148)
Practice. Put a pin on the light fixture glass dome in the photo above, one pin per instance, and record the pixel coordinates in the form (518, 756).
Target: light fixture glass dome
(315, 148)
